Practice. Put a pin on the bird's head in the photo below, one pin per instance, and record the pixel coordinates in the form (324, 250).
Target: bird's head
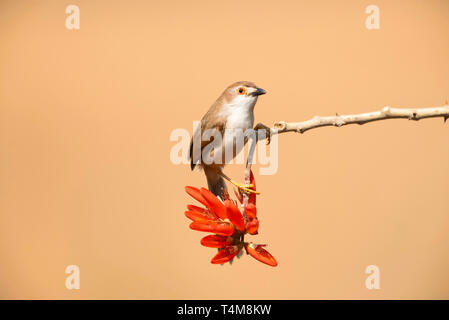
(243, 93)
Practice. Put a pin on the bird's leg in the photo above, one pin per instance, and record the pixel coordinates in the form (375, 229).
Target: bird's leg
(267, 131)
(244, 187)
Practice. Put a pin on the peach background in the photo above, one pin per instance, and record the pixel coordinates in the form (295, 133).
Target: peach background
(85, 174)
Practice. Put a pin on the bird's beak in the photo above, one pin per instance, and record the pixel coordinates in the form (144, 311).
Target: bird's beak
(258, 92)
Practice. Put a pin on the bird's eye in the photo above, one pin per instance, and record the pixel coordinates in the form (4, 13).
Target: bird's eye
(241, 90)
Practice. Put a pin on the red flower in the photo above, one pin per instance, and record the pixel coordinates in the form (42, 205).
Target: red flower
(234, 215)
(227, 223)
(251, 210)
(199, 214)
(226, 254)
(252, 226)
(259, 253)
(214, 203)
(218, 227)
(252, 196)
(196, 194)
(216, 241)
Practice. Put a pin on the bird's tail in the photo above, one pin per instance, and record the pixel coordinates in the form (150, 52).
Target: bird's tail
(215, 182)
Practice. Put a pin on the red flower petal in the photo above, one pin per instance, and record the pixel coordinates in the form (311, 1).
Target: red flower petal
(259, 253)
(252, 226)
(196, 194)
(234, 215)
(226, 254)
(191, 207)
(251, 210)
(198, 216)
(216, 241)
(252, 196)
(204, 211)
(218, 227)
(214, 203)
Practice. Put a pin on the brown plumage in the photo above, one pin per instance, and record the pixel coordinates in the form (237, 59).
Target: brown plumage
(234, 109)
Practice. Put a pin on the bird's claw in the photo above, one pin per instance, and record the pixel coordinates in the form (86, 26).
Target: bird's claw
(261, 126)
(245, 188)
(249, 191)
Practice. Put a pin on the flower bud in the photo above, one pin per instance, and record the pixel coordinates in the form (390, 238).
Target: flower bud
(252, 226)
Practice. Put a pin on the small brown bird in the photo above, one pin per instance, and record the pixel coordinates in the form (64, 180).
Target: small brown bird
(230, 115)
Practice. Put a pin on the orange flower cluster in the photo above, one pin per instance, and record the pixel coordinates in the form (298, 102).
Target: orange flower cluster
(228, 224)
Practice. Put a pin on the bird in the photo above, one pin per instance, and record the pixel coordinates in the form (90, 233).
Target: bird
(229, 116)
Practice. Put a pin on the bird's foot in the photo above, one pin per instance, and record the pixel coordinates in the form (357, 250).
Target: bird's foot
(244, 187)
(261, 126)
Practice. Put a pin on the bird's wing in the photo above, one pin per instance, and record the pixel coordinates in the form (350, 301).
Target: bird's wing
(208, 122)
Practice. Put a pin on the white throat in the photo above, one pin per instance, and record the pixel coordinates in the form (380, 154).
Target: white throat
(240, 113)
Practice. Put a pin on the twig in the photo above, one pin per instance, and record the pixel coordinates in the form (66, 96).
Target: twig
(362, 118)
(342, 120)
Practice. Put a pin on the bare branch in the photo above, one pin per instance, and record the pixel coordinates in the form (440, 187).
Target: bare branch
(362, 118)
(342, 120)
